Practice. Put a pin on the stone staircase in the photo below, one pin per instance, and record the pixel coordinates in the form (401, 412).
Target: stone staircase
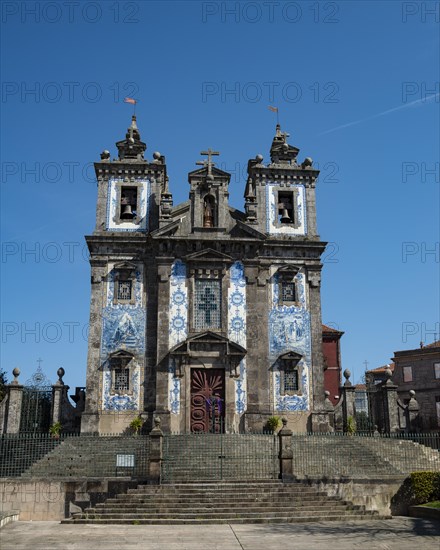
(93, 457)
(205, 503)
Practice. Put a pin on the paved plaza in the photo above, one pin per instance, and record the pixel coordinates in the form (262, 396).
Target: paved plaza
(400, 533)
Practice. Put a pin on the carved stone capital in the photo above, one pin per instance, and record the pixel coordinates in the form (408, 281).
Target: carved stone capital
(314, 278)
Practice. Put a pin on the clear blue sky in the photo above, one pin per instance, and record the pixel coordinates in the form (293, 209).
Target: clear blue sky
(357, 85)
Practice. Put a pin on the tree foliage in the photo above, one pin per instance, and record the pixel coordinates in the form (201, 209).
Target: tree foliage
(3, 383)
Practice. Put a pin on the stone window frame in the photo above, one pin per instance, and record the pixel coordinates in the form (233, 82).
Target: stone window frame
(287, 274)
(404, 376)
(117, 213)
(121, 359)
(294, 192)
(217, 274)
(124, 272)
(437, 410)
(290, 362)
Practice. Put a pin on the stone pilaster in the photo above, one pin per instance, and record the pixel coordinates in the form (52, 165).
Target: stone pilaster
(163, 298)
(15, 398)
(390, 406)
(57, 397)
(347, 393)
(314, 278)
(90, 417)
(258, 400)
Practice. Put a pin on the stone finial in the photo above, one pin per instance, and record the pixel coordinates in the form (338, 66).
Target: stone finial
(413, 405)
(16, 373)
(60, 373)
(156, 431)
(347, 375)
(284, 422)
(105, 155)
(388, 374)
(328, 404)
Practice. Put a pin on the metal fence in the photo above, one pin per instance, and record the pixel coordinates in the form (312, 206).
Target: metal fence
(364, 455)
(205, 456)
(201, 457)
(89, 456)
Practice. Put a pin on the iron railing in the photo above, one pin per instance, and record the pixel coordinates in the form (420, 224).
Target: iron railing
(200, 457)
(74, 455)
(364, 455)
(205, 456)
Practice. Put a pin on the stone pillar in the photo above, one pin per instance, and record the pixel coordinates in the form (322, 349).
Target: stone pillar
(347, 392)
(286, 453)
(57, 397)
(389, 400)
(90, 417)
(15, 398)
(155, 457)
(413, 418)
(161, 368)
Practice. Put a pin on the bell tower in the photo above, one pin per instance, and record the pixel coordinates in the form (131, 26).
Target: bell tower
(132, 192)
(209, 195)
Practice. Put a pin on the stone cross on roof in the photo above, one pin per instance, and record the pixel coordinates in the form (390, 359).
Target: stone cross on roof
(209, 153)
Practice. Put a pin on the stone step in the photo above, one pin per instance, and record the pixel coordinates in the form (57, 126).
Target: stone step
(230, 515)
(221, 503)
(175, 511)
(258, 520)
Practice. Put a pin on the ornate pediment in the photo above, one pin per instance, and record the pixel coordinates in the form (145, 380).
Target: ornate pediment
(168, 230)
(202, 172)
(208, 255)
(125, 266)
(211, 343)
(244, 230)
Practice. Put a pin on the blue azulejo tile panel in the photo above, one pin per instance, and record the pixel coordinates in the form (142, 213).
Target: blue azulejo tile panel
(240, 389)
(178, 306)
(122, 329)
(237, 327)
(237, 305)
(112, 223)
(120, 402)
(174, 388)
(177, 328)
(290, 330)
(272, 225)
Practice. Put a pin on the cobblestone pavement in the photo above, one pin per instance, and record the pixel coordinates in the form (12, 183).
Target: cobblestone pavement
(399, 533)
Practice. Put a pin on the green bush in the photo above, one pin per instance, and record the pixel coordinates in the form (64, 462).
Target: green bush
(273, 423)
(425, 486)
(136, 424)
(351, 425)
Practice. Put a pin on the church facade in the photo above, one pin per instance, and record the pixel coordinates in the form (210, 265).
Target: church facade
(203, 315)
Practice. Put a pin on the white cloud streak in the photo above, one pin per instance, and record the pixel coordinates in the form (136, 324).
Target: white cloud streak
(414, 103)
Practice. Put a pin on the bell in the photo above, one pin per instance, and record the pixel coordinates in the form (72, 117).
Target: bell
(127, 214)
(285, 216)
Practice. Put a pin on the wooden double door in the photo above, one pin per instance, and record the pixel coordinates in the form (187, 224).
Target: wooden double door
(207, 400)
